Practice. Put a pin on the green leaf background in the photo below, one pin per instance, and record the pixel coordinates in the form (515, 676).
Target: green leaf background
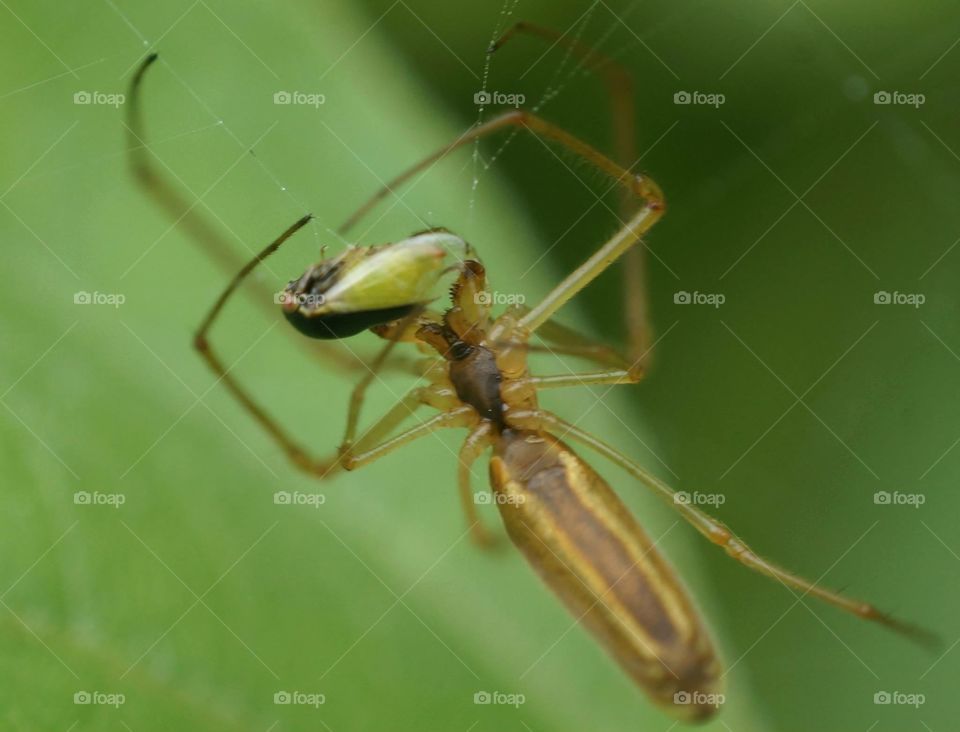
(199, 598)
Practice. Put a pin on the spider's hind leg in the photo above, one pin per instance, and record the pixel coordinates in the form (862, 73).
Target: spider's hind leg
(479, 439)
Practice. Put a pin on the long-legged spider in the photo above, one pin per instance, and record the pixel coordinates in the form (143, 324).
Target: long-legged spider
(569, 524)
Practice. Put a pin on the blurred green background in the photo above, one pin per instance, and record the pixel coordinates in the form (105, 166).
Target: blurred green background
(797, 400)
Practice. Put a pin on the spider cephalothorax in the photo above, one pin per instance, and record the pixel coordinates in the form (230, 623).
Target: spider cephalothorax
(460, 339)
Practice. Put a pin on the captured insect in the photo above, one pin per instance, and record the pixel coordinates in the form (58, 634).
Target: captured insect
(564, 518)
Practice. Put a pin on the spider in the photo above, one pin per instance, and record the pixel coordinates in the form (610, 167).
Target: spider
(564, 518)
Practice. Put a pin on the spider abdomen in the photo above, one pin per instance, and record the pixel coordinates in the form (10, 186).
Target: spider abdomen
(588, 548)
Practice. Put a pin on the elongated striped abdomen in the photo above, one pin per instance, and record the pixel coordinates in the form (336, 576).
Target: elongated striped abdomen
(585, 544)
